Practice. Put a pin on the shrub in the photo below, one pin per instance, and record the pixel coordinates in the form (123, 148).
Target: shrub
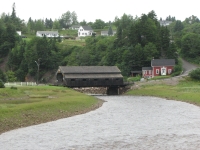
(12, 87)
(2, 84)
(195, 74)
(132, 79)
(177, 69)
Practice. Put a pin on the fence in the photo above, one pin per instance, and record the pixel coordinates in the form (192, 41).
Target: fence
(20, 84)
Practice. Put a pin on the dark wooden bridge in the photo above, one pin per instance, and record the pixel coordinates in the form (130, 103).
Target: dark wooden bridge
(91, 76)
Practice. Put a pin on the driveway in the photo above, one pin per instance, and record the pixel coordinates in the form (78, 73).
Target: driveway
(187, 67)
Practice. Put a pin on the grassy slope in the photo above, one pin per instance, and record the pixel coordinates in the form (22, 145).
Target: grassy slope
(27, 106)
(187, 91)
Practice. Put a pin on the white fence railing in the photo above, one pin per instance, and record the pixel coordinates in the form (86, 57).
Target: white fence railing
(20, 84)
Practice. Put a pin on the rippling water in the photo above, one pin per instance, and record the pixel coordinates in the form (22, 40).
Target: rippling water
(123, 122)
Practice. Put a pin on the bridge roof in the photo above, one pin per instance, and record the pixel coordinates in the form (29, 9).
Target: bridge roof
(89, 70)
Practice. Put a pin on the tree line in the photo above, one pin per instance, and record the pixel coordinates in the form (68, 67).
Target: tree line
(137, 41)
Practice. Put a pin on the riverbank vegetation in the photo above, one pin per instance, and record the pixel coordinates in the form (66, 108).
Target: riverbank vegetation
(186, 90)
(25, 106)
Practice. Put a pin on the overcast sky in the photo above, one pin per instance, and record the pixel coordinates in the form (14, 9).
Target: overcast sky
(105, 10)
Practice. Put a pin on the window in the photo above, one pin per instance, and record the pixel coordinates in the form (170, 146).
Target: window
(82, 33)
(78, 33)
(95, 79)
(85, 33)
(157, 71)
(169, 71)
(106, 79)
(84, 79)
(72, 79)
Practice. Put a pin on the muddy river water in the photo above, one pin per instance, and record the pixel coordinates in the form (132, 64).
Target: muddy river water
(123, 122)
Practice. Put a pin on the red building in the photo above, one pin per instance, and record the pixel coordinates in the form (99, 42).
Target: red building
(159, 67)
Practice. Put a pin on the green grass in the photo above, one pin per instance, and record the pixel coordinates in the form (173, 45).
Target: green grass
(68, 32)
(187, 91)
(67, 42)
(160, 77)
(133, 79)
(27, 106)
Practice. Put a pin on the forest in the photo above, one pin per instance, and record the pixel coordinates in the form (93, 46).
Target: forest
(137, 41)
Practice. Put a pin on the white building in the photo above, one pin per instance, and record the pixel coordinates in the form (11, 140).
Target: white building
(74, 27)
(85, 31)
(19, 33)
(164, 22)
(105, 33)
(47, 33)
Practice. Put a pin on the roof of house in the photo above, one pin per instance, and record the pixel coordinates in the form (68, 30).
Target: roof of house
(49, 32)
(163, 62)
(146, 68)
(89, 69)
(104, 32)
(87, 27)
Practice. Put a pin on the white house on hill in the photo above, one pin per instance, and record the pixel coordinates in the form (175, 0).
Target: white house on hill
(105, 33)
(164, 22)
(47, 33)
(19, 33)
(85, 31)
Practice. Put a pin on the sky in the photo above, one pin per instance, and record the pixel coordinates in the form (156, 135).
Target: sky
(106, 10)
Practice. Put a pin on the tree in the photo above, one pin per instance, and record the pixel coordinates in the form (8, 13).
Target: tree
(39, 25)
(150, 52)
(98, 24)
(56, 24)
(172, 52)
(67, 19)
(13, 15)
(74, 18)
(195, 74)
(11, 76)
(110, 31)
(190, 45)
(83, 23)
(2, 76)
(2, 84)
(164, 41)
(178, 26)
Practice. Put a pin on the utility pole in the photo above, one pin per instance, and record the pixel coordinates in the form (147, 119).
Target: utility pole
(38, 70)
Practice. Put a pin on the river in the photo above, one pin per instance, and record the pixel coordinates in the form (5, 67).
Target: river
(123, 122)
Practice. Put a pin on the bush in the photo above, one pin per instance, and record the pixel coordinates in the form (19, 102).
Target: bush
(2, 84)
(12, 87)
(177, 69)
(132, 79)
(195, 74)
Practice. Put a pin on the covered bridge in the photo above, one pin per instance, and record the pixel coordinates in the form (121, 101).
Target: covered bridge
(89, 76)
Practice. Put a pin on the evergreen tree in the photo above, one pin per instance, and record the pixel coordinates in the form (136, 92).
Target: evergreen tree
(2, 76)
(110, 31)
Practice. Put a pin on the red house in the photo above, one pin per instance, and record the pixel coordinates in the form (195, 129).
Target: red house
(159, 67)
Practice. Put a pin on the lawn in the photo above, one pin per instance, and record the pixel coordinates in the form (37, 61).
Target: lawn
(187, 91)
(68, 42)
(27, 106)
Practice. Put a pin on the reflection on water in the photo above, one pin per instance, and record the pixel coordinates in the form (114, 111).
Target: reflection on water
(123, 122)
